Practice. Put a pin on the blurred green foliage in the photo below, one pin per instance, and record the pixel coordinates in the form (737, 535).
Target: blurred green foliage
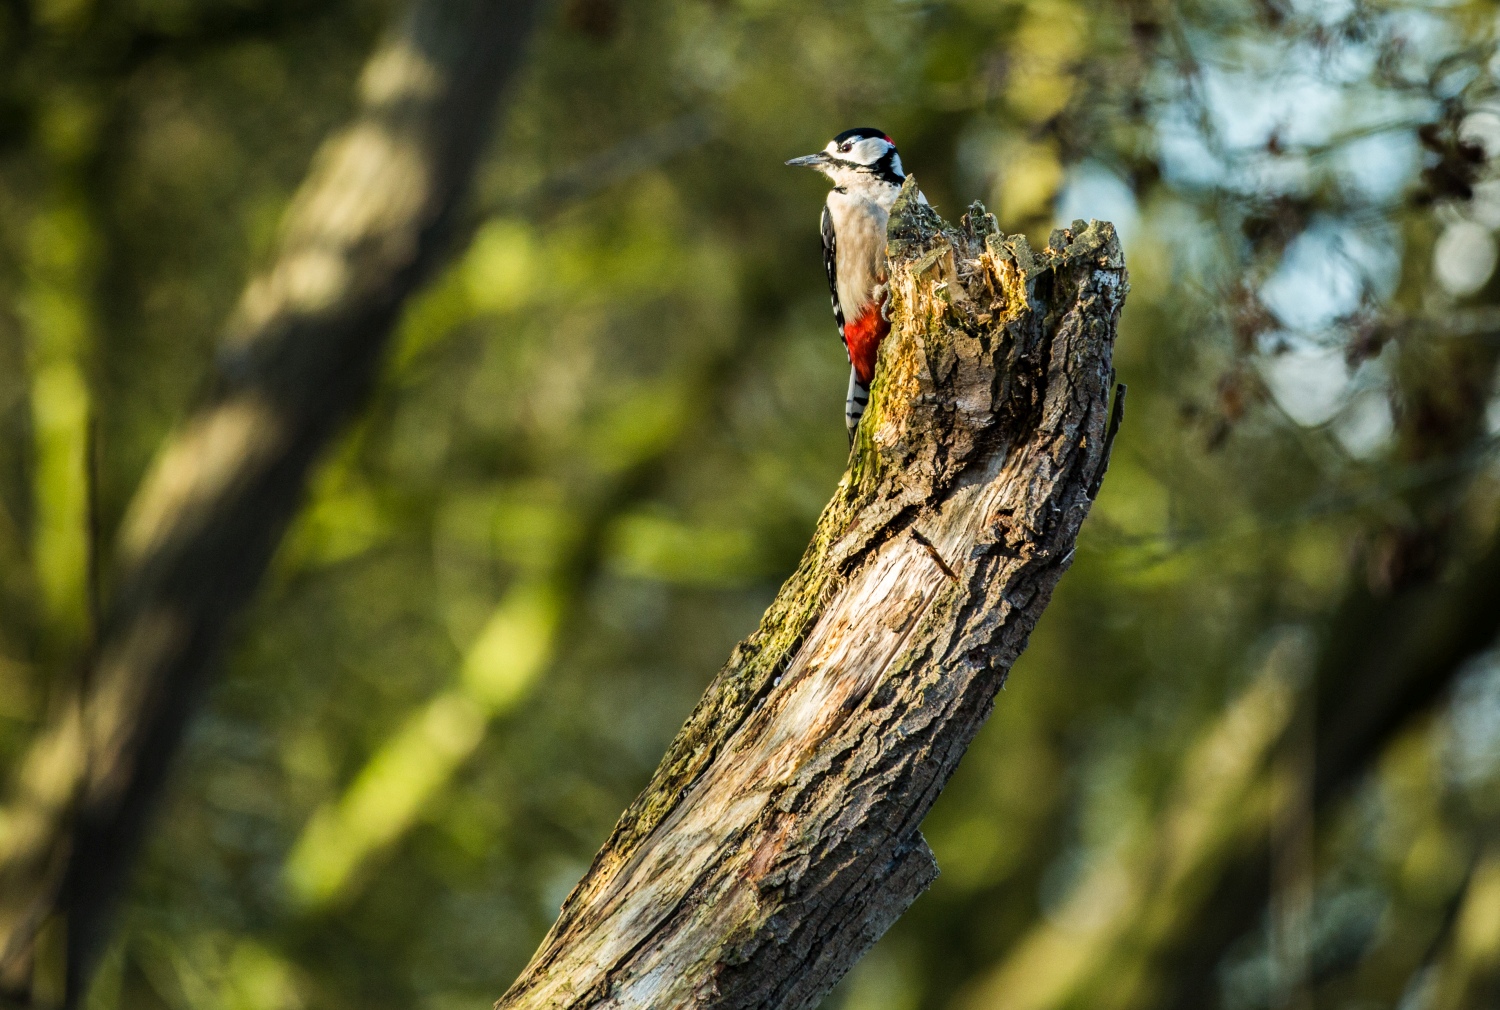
(607, 429)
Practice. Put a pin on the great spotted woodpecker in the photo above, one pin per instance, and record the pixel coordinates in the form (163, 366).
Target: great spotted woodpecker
(867, 175)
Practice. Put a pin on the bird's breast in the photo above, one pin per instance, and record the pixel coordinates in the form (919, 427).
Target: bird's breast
(859, 224)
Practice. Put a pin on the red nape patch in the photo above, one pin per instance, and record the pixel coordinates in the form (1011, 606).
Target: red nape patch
(863, 336)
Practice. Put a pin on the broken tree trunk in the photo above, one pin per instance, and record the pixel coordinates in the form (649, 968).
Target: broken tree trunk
(779, 837)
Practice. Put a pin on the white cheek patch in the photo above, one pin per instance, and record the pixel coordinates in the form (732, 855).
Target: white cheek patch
(896, 165)
(863, 152)
(869, 151)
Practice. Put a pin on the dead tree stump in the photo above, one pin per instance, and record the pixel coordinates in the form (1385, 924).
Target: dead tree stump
(779, 837)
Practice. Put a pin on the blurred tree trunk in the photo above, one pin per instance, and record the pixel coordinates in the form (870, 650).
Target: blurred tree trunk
(779, 837)
(373, 218)
(1388, 659)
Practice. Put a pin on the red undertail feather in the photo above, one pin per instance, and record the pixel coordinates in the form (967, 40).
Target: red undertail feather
(863, 335)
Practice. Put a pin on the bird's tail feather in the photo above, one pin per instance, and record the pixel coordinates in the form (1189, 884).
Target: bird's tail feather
(854, 403)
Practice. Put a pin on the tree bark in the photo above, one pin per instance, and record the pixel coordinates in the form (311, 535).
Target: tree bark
(301, 353)
(779, 837)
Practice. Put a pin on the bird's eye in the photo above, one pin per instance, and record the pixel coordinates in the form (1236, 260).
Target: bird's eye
(845, 146)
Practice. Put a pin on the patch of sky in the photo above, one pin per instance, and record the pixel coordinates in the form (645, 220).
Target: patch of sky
(1313, 385)
(1308, 383)
(1225, 141)
(1482, 127)
(1325, 275)
(1422, 38)
(1453, 77)
(1365, 426)
(1463, 258)
(1264, 174)
(1187, 160)
(1093, 191)
(1304, 95)
(1284, 95)
(1327, 270)
(1378, 166)
(1324, 12)
(1351, 62)
(1484, 208)
(1473, 746)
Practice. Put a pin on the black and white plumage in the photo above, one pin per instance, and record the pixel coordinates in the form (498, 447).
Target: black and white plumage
(867, 175)
(857, 397)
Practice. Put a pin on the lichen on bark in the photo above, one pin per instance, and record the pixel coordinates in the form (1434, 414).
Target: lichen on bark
(779, 837)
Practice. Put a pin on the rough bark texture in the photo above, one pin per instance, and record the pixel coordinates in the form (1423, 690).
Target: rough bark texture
(779, 837)
(300, 355)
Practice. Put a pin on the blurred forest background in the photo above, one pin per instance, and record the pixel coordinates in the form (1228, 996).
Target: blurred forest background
(1252, 756)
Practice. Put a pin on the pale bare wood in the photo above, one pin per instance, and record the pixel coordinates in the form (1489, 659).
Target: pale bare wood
(779, 837)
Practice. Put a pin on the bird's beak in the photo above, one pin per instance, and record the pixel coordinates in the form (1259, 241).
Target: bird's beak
(811, 160)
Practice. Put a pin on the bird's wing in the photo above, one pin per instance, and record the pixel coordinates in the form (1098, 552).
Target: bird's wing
(831, 266)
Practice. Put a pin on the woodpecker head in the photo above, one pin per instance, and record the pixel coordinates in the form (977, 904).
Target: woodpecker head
(857, 159)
